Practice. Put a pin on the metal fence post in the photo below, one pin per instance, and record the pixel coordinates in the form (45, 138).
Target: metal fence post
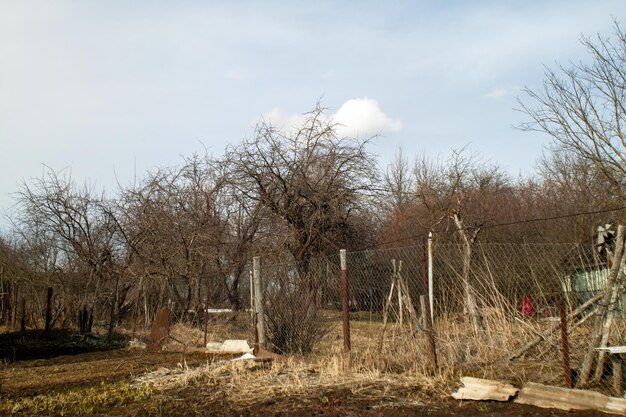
(427, 313)
(430, 276)
(258, 295)
(206, 318)
(252, 307)
(344, 302)
(565, 346)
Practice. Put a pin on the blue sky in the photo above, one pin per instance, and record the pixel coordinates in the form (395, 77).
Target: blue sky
(113, 88)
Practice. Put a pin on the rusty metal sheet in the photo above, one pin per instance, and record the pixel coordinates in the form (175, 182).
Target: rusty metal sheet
(160, 329)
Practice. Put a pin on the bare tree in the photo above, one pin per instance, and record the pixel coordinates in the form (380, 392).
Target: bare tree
(463, 193)
(568, 183)
(14, 272)
(172, 227)
(399, 181)
(71, 217)
(310, 181)
(583, 107)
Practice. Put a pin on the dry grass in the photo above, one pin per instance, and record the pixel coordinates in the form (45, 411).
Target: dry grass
(462, 352)
(184, 337)
(244, 383)
(400, 359)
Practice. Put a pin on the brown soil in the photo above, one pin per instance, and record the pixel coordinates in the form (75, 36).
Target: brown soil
(341, 402)
(29, 378)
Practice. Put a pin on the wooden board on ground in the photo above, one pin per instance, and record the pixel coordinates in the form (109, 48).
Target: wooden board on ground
(484, 389)
(545, 396)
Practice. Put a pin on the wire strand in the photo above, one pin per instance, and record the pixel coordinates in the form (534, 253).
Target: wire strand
(512, 223)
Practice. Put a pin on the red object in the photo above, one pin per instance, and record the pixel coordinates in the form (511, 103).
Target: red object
(526, 306)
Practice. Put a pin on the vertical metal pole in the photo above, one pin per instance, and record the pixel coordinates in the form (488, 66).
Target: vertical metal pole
(252, 308)
(430, 336)
(396, 278)
(430, 276)
(565, 347)
(424, 260)
(206, 318)
(258, 298)
(344, 302)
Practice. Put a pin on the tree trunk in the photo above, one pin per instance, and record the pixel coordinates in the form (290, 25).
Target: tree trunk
(137, 301)
(14, 306)
(602, 317)
(606, 332)
(468, 291)
(113, 308)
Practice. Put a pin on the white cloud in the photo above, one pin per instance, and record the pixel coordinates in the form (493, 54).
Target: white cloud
(357, 117)
(275, 117)
(363, 116)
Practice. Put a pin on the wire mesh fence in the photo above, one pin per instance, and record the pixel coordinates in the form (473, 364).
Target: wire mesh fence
(518, 289)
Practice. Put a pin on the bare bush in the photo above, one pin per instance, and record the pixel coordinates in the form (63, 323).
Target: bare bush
(294, 323)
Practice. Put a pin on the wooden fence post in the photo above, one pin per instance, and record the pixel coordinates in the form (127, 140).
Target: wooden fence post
(344, 302)
(205, 307)
(14, 306)
(48, 309)
(258, 298)
(23, 320)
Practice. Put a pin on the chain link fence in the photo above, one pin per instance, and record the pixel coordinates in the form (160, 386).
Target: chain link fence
(519, 289)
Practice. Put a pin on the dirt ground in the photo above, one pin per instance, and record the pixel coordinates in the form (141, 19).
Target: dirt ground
(83, 384)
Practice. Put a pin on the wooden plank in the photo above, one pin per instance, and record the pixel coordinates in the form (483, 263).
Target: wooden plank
(484, 389)
(545, 396)
(614, 350)
(617, 375)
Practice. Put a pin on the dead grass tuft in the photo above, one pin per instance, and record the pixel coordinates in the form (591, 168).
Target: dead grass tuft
(244, 383)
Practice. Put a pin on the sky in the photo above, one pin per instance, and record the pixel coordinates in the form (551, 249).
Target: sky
(111, 89)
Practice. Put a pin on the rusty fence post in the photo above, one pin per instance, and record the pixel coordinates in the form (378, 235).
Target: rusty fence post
(565, 347)
(345, 306)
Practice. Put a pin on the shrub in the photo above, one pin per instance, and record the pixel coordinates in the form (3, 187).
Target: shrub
(293, 322)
